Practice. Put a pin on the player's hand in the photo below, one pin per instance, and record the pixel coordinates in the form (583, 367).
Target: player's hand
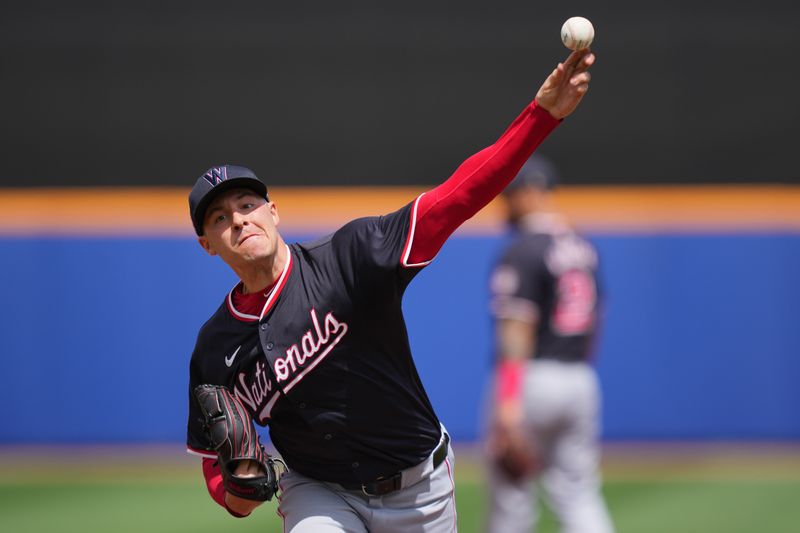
(239, 505)
(516, 455)
(512, 450)
(565, 87)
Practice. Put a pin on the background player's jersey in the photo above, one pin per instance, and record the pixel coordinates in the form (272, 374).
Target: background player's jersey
(548, 276)
(327, 365)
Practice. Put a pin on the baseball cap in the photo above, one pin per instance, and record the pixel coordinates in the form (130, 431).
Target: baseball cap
(215, 181)
(538, 171)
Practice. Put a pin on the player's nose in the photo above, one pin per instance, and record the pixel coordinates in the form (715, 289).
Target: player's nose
(238, 219)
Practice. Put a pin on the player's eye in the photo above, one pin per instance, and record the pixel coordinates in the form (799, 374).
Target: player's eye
(219, 218)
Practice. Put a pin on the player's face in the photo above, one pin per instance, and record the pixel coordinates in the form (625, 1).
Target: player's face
(522, 202)
(241, 227)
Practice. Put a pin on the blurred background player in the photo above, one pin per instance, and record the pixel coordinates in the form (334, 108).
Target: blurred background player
(544, 419)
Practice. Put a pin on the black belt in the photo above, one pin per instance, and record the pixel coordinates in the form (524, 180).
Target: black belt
(386, 484)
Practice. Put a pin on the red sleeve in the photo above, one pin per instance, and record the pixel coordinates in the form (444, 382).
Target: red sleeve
(480, 178)
(216, 489)
(509, 380)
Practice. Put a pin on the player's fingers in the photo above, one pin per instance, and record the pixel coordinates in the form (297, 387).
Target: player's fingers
(580, 79)
(558, 74)
(586, 62)
(573, 59)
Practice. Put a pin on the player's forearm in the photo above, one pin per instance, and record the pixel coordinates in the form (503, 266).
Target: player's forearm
(216, 490)
(515, 340)
(477, 181)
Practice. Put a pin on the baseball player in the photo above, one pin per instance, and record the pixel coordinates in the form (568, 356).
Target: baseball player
(312, 343)
(544, 417)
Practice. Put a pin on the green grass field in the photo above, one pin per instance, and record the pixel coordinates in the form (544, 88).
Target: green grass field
(131, 490)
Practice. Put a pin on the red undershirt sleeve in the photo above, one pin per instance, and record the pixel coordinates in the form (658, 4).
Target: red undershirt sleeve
(216, 489)
(474, 184)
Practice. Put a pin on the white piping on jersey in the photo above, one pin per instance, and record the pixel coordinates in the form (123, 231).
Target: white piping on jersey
(204, 454)
(278, 286)
(409, 245)
(236, 313)
(272, 295)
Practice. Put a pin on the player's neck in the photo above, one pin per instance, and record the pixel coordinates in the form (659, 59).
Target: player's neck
(262, 274)
(544, 221)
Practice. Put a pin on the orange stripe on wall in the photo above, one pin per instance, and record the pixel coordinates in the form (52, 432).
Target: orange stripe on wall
(164, 211)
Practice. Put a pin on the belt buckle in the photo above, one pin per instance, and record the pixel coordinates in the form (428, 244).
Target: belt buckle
(382, 485)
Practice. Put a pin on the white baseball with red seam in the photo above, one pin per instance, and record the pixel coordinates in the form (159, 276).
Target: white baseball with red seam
(577, 33)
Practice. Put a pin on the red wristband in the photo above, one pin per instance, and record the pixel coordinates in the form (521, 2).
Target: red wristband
(216, 489)
(509, 379)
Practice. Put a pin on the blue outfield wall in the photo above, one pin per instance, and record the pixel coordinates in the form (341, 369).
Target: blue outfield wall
(701, 336)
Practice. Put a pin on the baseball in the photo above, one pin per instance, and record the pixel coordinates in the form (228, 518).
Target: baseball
(577, 33)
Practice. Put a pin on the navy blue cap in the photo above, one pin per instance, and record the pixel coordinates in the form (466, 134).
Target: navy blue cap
(215, 181)
(538, 172)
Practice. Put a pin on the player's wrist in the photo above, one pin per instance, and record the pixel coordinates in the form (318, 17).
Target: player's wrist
(240, 507)
(509, 380)
(509, 412)
(542, 112)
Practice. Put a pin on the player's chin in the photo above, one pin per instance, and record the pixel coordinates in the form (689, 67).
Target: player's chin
(257, 253)
(254, 245)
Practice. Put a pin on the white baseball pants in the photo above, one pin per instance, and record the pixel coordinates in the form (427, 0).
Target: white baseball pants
(424, 504)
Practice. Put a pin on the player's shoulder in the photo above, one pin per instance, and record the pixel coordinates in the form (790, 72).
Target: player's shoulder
(527, 245)
(215, 317)
(570, 251)
(313, 244)
(218, 322)
(377, 223)
(359, 231)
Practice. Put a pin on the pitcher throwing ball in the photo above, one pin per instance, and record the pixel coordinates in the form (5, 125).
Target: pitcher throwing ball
(312, 343)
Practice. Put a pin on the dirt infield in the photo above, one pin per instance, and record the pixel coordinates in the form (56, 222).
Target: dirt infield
(621, 461)
(702, 461)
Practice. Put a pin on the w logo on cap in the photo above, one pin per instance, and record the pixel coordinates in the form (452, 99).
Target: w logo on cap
(216, 175)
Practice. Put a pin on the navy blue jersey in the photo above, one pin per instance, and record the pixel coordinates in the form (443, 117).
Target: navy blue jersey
(327, 366)
(547, 276)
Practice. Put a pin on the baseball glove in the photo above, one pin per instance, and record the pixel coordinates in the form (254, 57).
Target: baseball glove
(515, 455)
(231, 432)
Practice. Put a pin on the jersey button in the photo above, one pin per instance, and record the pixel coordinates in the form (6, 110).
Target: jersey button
(263, 327)
(302, 405)
(270, 345)
(328, 436)
(355, 465)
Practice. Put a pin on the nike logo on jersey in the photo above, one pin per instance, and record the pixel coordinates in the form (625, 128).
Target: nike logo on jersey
(229, 360)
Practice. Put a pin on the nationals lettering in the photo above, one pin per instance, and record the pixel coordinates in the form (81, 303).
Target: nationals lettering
(299, 359)
(313, 347)
(255, 393)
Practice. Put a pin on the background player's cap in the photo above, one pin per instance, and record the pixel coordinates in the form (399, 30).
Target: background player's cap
(538, 172)
(216, 180)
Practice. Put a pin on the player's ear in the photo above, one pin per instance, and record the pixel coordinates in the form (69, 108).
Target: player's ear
(273, 209)
(203, 242)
